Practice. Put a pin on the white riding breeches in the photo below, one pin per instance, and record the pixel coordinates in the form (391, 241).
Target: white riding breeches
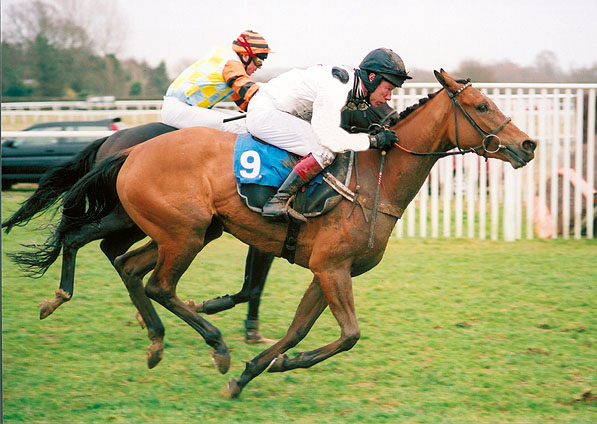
(181, 115)
(283, 130)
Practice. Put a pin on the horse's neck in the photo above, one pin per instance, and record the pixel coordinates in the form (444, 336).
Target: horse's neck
(425, 130)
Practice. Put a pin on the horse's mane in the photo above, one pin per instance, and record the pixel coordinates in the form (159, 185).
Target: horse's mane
(424, 100)
(414, 107)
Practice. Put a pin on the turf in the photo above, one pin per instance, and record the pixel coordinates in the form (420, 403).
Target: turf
(452, 330)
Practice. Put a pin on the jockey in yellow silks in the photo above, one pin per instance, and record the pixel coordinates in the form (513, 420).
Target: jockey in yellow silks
(221, 74)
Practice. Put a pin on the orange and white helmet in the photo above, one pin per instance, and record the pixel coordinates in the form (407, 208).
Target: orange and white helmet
(253, 44)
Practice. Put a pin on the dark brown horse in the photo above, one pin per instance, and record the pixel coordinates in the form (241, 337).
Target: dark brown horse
(185, 197)
(117, 232)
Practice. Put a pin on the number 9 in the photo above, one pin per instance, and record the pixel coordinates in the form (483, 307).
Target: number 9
(250, 161)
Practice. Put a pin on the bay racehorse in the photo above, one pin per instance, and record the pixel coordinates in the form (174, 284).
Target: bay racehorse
(118, 232)
(182, 193)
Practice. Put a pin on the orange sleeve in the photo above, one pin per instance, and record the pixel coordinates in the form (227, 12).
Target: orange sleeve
(243, 86)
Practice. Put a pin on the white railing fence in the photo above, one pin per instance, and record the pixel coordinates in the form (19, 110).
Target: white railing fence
(465, 196)
(553, 196)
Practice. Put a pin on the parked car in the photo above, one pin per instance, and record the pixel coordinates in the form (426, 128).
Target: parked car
(27, 159)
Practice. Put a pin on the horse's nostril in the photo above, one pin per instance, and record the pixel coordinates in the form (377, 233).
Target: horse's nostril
(529, 145)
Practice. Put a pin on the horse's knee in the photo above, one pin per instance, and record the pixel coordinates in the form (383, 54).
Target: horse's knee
(126, 271)
(164, 297)
(351, 339)
(155, 292)
(120, 265)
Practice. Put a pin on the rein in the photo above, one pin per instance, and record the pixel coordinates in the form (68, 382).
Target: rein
(487, 136)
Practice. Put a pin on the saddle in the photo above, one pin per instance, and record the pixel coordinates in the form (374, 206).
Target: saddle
(260, 169)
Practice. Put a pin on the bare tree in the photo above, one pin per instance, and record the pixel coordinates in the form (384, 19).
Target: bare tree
(102, 21)
(69, 24)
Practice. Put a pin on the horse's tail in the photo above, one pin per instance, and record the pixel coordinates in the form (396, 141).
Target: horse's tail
(97, 190)
(53, 184)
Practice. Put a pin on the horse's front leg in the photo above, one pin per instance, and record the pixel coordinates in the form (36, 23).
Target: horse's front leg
(257, 267)
(310, 308)
(337, 289)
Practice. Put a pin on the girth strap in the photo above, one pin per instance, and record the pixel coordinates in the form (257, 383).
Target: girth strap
(363, 201)
(289, 247)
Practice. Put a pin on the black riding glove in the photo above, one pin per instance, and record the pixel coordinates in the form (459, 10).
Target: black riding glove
(383, 140)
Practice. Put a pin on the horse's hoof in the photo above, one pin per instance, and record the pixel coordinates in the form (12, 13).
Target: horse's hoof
(191, 305)
(45, 309)
(155, 353)
(233, 389)
(277, 365)
(260, 339)
(221, 361)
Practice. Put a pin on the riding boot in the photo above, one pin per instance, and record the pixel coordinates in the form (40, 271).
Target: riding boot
(304, 171)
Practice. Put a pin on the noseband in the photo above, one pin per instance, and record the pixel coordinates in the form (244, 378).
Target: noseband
(487, 136)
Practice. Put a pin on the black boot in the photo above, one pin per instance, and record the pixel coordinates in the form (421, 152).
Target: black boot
(277, 207)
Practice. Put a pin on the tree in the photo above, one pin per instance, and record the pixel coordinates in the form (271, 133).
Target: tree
(158, 80)
(547, 68)
(48, 67)
(135, 89)
(102, 21)
(474, 70)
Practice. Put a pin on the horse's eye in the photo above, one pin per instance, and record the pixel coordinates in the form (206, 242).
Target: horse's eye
(482, 107)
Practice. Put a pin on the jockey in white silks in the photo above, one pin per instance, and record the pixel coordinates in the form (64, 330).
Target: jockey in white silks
(223, 73)
(299, 111)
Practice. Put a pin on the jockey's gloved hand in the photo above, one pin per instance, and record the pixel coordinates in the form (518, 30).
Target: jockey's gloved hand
(383, 140)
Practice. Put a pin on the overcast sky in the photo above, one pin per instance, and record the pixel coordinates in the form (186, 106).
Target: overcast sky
(427, 34)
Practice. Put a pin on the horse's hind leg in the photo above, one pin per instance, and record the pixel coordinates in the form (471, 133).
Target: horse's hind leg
(118, 243)
(73, 241)
(64, 293)
(173, 259)
(132, 267)
(117, 224)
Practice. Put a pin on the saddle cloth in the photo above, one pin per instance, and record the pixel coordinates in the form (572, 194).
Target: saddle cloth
(260, 169)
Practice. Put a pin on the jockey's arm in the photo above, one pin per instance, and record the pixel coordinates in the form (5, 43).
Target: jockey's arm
(243, 86)
(330, 100)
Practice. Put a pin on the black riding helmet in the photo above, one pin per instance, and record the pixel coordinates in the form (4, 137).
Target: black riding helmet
(385, 64)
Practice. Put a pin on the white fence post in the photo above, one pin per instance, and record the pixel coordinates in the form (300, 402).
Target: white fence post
(590, 160)
(555, 148)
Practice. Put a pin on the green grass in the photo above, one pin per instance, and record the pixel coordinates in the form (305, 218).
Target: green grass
(452, 330)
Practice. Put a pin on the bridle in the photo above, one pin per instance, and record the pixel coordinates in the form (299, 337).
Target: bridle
(487, 136)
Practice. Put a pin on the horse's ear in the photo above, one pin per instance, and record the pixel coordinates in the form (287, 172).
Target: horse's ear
(440, 78)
